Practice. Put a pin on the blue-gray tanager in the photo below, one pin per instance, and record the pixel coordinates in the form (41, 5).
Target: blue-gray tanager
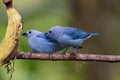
(69, 36)
(40, 44)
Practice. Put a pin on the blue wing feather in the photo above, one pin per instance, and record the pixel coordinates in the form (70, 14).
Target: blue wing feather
(76, 33)
(40, 36)
(51, 39)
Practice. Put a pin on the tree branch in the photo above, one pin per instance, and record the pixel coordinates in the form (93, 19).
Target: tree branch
(76, 57)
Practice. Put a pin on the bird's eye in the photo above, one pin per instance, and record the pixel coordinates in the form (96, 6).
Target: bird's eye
(50, 31)
(30, 32)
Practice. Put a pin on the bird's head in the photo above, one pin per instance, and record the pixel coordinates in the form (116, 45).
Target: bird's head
(31, 33)
(54, 32)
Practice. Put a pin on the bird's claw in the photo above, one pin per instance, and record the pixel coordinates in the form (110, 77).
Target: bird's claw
(49, 55)
(63, 53)
(72, 53)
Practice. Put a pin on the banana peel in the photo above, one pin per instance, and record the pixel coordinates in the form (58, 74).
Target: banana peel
(9, 44)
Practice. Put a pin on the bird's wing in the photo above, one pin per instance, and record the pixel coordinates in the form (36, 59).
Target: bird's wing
(76, 33)
(51, 40)
(40, 36)
(47, 38)
(67, 40)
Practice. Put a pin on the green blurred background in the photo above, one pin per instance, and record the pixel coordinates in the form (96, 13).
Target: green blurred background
(90, 15)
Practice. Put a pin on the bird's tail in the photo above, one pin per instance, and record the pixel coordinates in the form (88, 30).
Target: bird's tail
(91, 34)
(94, 34)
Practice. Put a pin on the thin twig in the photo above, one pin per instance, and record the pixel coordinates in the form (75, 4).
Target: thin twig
(76, 57)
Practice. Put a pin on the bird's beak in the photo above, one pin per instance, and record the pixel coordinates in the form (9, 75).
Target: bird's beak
(46, 34)
(24, 34)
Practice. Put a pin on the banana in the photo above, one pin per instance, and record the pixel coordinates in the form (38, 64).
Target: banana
(9, 44)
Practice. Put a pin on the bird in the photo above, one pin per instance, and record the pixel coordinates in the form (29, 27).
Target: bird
(39, 43)
(69, 36)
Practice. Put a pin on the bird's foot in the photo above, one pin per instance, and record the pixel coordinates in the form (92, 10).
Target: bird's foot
(31, 53)
(64, 52)
(72, 53)
(50, 55)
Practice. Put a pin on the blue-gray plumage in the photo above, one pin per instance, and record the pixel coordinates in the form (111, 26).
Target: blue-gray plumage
(69, 36)
(40, 44)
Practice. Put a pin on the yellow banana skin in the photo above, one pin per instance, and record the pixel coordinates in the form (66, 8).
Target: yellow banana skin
(8, 46)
